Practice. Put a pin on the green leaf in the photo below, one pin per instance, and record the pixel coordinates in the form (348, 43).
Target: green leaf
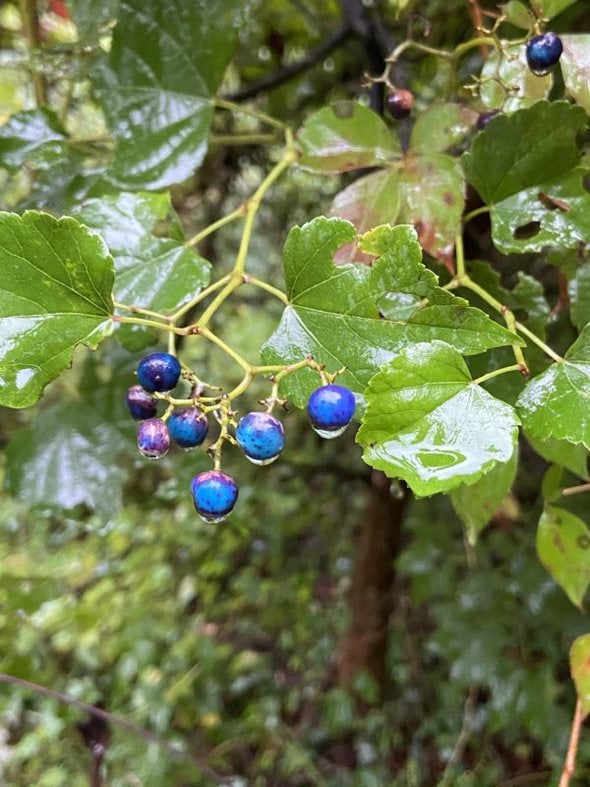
(66, 458)
(333, 315)
(551, 8)
(346, 136)
(165, 65)
(475, 504)
(563, 547)
(579, 292)
(573, 457)
(153, 269)
(428, 423)
(551, 213)
(517, 14)
(92, 17)
(440, 127)
(580, 669)
(575, 64)
(556, 403)
(531, 146)
(34, 136)
(509, 83)
(55, 293)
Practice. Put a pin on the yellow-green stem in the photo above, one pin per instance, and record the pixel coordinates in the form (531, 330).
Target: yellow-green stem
(222, 103)
(539, 342)
(476, 212)
(202, 331)
(200, 297)
(267, 287)
(149, 323)
(516, 367)
(244, 139)
(140, 310)
(211, 228)
(575, 490)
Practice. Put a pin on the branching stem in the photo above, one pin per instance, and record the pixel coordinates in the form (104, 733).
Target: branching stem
(569, 767)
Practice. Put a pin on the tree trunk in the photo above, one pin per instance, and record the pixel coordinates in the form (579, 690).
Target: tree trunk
(371, 601)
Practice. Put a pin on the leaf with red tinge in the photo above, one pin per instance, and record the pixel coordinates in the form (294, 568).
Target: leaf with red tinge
(580, 669)
(346, 136)
(563, 547)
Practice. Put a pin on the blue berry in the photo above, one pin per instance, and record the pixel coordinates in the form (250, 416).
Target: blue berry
(188, 427)
(158, 372)
(214, 495)
(543, 52)
(153, 439)
(261, 437)
(141, 405)
(330, 409)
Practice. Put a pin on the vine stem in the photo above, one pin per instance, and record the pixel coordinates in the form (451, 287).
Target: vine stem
(200, 330)
(575, 490)
(235, 214)
(476, 212)
(223, 103)
(200, 296)
(264, 286)
(30, 19)
(113, 719)
(161, 326)
(243, 139)
(516, 367)
(569, 766)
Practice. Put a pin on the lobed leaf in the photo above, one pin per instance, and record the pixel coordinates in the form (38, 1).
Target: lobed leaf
(55, 293)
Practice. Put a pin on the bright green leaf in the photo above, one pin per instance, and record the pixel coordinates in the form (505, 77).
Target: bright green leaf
(563, 547)
(575, 63)
(55, 293)
(551, 213)
(428, 423)
(164, 67)
(573, 457)
(556, 403)
(517, 14)
(518, 151)
(34, 136)
(510, 66)
(551, 8)
(475, 504)
(580, 669)
(346, 136)
(440, 127)
(92, 17)
(333, 315)
(579, 292)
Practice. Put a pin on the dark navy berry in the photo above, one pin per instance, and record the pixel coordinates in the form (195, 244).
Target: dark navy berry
(153, 439)
(400, 103)
(261, 437)
(188, 427)
(214, 495)
(543, 52)
(158, 372)
(330, 409)
(141, 405)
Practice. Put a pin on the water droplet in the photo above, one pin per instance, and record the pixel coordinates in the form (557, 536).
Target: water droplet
(211, 519)
(268, 461)
(330, 434)
(540, 72)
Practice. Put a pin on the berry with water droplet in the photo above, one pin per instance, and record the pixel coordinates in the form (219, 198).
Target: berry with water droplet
(400, 103)
(330, 409)
(158, 372)
(188, 427)
(543, 52)
(140, 404)
(153, 439)
(214, 495)
(261, 437)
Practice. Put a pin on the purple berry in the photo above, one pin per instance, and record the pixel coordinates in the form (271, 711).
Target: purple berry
(158, 372)
(153, 439)
(140, 404)
(188, 427)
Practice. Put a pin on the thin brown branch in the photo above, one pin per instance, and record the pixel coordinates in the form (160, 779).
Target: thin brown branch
(286, 73)
(476, 15)
(569, 767)
(197, 763)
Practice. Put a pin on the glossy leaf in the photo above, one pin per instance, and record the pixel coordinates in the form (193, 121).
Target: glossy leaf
(164, 66)
(556, 403)
(68, 457)
(518, 151)
(33, 136)
(153, 269)
(580, 669)
(346, 136)
(56, 287)
(92, 17)
(440, 127)
(551, 213)
(333, 315)
(573, 457)
(563, 547)
(518, 86)
(427, 423)
(551, 8)
(575, 63)
(475, 504)
(579, 292)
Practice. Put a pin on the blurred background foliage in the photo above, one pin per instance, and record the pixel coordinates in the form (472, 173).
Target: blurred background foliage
(225, 641)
